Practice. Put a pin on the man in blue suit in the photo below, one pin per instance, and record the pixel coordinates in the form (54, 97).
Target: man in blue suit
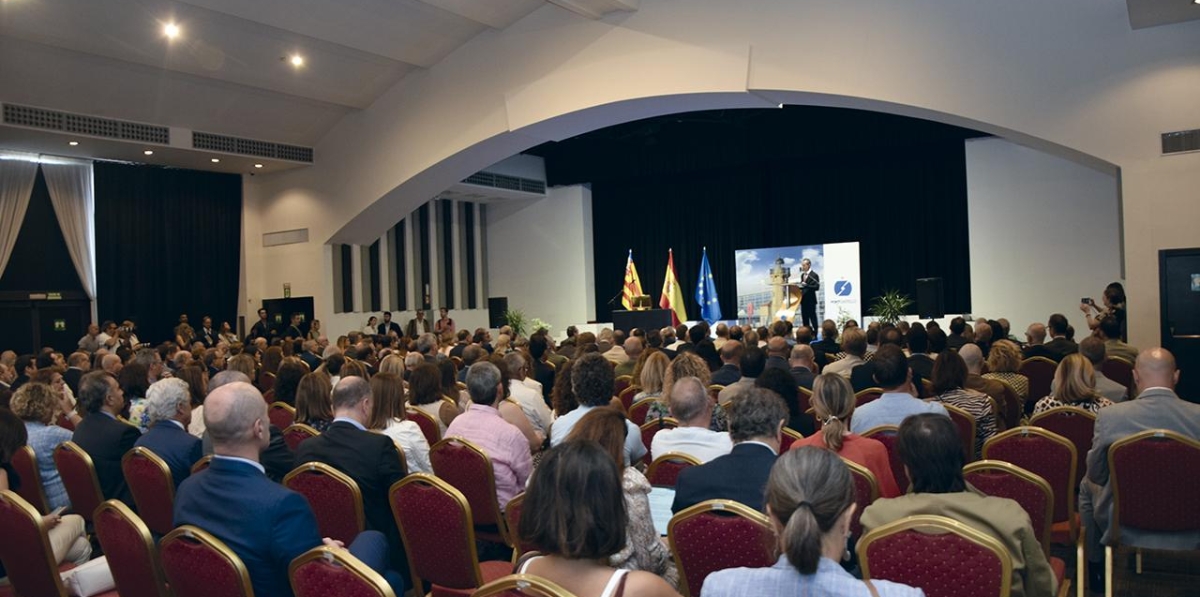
(756, 420)
(266, 524)
(169, 404)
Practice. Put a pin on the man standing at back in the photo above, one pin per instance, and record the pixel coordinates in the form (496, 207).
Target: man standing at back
(1156, 407)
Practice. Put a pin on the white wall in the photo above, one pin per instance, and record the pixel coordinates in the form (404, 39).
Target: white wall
(540, 256)
(1044, 233)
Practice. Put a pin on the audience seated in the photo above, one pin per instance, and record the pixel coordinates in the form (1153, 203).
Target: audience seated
(1157, 407)
(828, 343)
(862, 376)
(753, 362)
(731, 357)
(833, 403)
(169, 404)
(958, 328)
(35, 404)
(781, 382)
(778, 351)
(605, 427)
(1092, 348)
(756, 421)
(1004, 361)
(1109, 330)
(653, 375)
(504, 444)
(691, 406)
(919, 360)
(687, 365)
(931, 451)
(532, 404)
(105, 438)
(1074, 385)
(592, 382)
(388, 417)
(581, 521)
(854, 345)
(810, 502)
(802, 365)
(543, 369)
(633, 349)
(425, 394)
(1058, 346)
(949, 380)
(972, 357)
(894, 376)
(313, 406)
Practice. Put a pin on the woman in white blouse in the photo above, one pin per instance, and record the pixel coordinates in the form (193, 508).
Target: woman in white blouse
(387, 417)
(372, 327)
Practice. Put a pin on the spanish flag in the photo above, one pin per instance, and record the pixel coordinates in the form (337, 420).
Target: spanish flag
(672, 295)
(633, 285)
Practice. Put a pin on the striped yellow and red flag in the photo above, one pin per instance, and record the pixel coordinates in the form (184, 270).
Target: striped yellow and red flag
(633, 285)
(672, 295)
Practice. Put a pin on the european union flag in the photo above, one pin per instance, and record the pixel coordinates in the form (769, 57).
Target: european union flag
(706, 292)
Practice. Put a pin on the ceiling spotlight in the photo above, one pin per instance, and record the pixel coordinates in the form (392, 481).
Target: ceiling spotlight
(171, 30)
(258, 165)
(297, 60)
(216, 161)
(148, 152)
(73, 143)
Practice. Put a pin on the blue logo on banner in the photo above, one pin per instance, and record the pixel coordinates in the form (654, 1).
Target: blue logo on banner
(842, 288)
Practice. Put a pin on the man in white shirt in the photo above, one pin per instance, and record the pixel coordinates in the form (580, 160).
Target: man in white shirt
(529, 399)
(691, 406)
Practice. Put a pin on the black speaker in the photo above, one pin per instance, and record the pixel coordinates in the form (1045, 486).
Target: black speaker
(929, 298)
(497, 305)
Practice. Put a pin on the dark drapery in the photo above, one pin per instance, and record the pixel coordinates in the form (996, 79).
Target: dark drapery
(168, 242)
(767, 178)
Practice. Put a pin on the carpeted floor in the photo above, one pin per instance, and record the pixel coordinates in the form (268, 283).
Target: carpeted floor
(1164, 574)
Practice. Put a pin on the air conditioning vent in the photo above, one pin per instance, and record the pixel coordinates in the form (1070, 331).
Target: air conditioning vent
(1181, 141)
(253, 147)
(93, 126)
(285, 237)
(510, 183)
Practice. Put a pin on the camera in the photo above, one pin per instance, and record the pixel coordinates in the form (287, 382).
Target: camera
(1087, 301)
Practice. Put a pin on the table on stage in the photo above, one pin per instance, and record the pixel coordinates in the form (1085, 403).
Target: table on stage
(646, 319)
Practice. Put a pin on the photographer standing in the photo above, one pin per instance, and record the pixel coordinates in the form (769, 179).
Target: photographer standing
(1114, 307)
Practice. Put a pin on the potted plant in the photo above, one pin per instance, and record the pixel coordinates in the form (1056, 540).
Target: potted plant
(890, 306)
(515, 318)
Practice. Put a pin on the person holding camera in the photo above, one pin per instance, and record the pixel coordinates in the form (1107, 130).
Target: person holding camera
(1114, 308)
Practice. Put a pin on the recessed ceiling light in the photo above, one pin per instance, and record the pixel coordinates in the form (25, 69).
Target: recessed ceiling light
(148, 152)
(258, 165)
(171, 30)
(297, 60)
(216, 161)
(73, 143)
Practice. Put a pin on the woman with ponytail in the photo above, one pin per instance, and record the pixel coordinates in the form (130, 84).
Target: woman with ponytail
(810, 500)
(833, 403)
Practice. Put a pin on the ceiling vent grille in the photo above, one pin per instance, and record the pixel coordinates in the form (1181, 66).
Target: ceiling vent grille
(511, 183)
(1181, 141)
(93, 126)
(254, 147)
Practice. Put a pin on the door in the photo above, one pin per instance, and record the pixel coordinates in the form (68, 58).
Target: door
(29, 326)
(1179, 293)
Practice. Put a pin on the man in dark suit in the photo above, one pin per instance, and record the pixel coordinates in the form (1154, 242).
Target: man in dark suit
(293, 329)
(755, 424)
(956, 339)
(729, 371)
(802, 365)
(464, 340)
(77, 364)
(415, 327)
(206, 334)
(809, 283)
(169, 404)
(777, 353)
(543, 372)
(369, 458)
(1059, 346)
(261, 328)
(310, 356)
(265, 524)
(102, 436)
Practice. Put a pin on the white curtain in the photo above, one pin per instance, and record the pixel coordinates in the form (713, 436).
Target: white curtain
(17, 174)
(71, 193)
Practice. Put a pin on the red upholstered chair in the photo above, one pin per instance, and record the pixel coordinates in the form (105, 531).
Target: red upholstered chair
(200, 565)
(79, 478)
(327, 572)
(664, 471)
(1075, 424)
(866, 396)
(335, 499)
(296, 433)
(25, 550)
(266, 382)
(622, 382)
(966, 430)
(429, 426)
(1051, 457)
(1012, 408)
(626, 397)
(468, 469)
(24, 462)
(715, 535)
(202, 464)
(943, 557)
(788, 437)
(281, 414)
(649, 429)
(1120, 371)
(1040, 371)
(439, 535)
(129, 547)
(714, 390)
(153, 490)
(1153, 476)
(866, 491)
(458, 363)
(512, 518)
(521, 585)
(886, 435)
(637, 412)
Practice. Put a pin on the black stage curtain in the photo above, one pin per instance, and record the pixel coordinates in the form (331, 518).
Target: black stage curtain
(40, 261)
(766, 178)
(168, 241)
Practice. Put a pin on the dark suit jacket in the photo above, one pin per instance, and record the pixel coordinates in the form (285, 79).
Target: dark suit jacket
(415, 328)
(726, 375)
(1056, 349)
(740, 475)
(457, 349)
(921, 364)
(311, 359)
(389, 327)
(266, 524)
(809, 285)
(955, 341)
(544, 374)
(71, 377)
(175, 445)
(207, 337)
(804, 377)
(106, 440)
(372, 461)
(261, 329)
(778, 363)
(863, 377)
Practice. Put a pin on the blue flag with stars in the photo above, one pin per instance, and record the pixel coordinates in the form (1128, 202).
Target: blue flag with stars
(706, 292)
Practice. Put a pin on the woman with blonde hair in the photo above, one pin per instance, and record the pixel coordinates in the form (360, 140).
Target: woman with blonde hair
(388, 417)
(833, 403)
(653, 372)
(36, 405)
(687, 365)
(1004, 362)
(394, 364)
(502, 345)
(1074, 385)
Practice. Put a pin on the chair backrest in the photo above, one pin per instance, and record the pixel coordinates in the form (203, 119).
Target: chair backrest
(281, 414)
(153, 489)
(1007, 480)
(927, 388)
(1075, 424)
(512, 517)
(129, 547)
(1120, 371)
(787, 438)
(24, 461)
(746, 539)
(78, 475)
(326, 572)
(650, 428)
(664, 471)
(266, 381)
(429, 426)
(886, 435)
(521, 585)
(966, 430)
(1012, 407)
(714, 390)
(626, 396)
(866, 491)
(620, 383)
(458, 363)
(438, 532)
(198, 564)
(335, 499)
(25, 549)
(1152, 475)
(1045, 454)
(1040, 371)
(637, 412)
(468, 469)
(202, 464)
(866, 396)
(941, 556)
(296, 433)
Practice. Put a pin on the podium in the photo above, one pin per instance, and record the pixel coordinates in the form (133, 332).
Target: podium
(647, 319)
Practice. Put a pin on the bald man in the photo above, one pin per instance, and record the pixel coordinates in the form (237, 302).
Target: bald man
(777, 353)
(1156, 407)
(266, 524)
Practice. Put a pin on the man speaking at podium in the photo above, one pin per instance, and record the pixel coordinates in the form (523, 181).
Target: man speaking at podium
(810, 283)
